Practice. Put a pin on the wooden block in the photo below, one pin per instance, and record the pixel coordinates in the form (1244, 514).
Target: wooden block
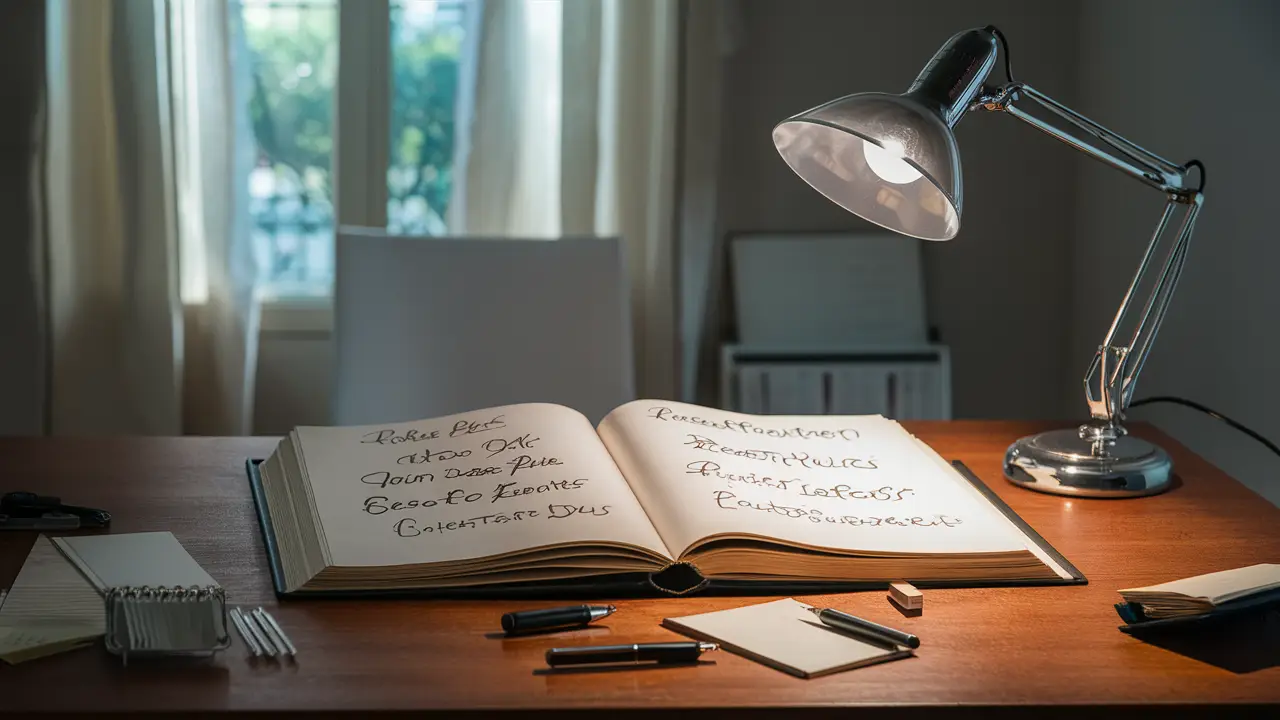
(906, 596)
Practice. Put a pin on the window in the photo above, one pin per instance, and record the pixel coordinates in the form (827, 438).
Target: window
(426, 49)
(294, 70)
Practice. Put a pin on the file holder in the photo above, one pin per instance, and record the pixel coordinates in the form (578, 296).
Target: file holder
(166, 621)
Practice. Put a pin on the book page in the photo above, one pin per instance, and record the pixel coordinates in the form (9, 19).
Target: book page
(855, 483)
(493, 481)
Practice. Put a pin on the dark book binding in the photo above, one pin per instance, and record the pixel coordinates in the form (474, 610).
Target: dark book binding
(677, 579)
(1260, 604)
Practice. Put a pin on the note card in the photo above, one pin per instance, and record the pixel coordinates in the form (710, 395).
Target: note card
(784, 635)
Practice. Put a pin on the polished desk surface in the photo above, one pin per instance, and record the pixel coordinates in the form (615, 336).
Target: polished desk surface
(983, 649)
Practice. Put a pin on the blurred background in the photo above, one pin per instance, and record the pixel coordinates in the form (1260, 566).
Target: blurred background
(175, 171)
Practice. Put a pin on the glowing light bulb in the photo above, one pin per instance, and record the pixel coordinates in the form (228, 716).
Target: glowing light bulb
(887, 162)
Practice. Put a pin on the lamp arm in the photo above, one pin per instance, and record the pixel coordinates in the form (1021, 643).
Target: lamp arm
(1112, 375)
(1097, 142)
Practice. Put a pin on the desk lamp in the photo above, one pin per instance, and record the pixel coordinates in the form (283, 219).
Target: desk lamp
(892, 159)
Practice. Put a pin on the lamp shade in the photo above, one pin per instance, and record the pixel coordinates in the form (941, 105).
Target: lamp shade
(886, 158)
(892, 159)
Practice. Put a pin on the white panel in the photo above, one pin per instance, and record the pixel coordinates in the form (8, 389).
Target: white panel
(849, 382)
(425, 327)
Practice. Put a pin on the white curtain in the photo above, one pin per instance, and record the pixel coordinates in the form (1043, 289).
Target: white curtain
(140, 181)
(574, 133)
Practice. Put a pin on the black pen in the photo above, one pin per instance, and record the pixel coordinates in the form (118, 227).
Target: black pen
(662, 653)
(555, 618)
(864, 628)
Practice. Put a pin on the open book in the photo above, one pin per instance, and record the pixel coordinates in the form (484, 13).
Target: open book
(534, 494)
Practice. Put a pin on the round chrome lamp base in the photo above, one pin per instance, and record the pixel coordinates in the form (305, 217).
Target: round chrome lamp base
(1094, 461)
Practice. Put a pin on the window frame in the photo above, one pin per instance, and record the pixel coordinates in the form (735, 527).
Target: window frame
(362, 116)
(362, 119)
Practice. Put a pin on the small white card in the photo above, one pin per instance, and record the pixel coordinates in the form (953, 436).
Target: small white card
(784, 635)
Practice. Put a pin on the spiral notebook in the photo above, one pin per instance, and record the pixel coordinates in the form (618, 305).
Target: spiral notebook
(157, 598)
(137, 560)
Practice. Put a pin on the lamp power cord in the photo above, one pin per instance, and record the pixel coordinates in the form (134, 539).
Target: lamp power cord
(1173, 400)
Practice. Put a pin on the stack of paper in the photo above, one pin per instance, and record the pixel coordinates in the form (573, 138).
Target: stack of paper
(1203, 593)
(50, 608)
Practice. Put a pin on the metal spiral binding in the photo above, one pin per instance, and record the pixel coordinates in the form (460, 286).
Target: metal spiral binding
(163, 620)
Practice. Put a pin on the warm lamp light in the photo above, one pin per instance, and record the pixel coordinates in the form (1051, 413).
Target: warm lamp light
(892, 160)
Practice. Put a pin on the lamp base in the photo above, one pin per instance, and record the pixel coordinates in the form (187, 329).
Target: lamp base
(1094, 461)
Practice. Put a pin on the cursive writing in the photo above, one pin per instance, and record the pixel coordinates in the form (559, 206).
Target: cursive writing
(453, 472)
(726, 500)
(497, 446)
(746, 427)
(524, 462)
(382, 479)
(426, 456)
(409, 527)
(844, 492)
(559, 512)
(793, 459)
(707, 468)
(389, 437)
(506, 490)
(463, 427)
(379, 504)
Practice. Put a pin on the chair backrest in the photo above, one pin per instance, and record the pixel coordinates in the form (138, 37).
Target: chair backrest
(430, 326)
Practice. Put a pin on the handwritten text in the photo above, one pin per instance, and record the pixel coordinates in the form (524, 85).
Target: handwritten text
(746, 427)
(792, 459)
(726, 500)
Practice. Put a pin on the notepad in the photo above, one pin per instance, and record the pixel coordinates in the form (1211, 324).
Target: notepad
(151, 559)
(784, 635)
(1203, 593)
(157, 598)
(50, 608)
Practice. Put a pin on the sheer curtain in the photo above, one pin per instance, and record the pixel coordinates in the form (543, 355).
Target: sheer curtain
(142, 179)
(574, 133)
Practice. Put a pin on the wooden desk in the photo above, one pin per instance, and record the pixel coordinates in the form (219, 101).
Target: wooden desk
(984, 650)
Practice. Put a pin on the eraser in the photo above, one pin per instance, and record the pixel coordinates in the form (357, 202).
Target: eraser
(906, 596)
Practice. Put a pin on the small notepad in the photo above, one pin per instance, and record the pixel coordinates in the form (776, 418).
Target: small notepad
(156, 597)
(784, 635)
(151, 559)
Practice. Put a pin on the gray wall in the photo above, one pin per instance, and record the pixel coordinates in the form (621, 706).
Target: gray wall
(1005, 276)
(1191, 79)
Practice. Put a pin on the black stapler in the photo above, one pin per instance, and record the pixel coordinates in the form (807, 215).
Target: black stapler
(28, 511)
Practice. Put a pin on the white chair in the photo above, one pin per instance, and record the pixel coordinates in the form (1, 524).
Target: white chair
(430, 326)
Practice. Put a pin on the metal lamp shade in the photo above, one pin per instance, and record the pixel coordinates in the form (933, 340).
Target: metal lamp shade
(914, 188)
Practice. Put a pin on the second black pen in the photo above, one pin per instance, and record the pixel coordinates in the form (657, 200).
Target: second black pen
(864, 628)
